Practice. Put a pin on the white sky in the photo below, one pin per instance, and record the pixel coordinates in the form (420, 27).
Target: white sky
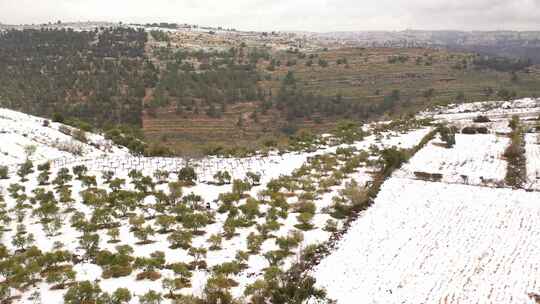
(308, 15)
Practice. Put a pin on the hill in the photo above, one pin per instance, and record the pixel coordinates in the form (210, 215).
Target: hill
(380, 206)
(194, 90)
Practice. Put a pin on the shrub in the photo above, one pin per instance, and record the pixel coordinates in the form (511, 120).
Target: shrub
(304, 220)
(222, 178)
(117, 271)
(58, 117)
(482, 130)
(64, 130)
(254, 179)
(187, 175)
(468, 130)
(447, 136)
(392, 159)
(25, 169)
(80, 135)
(330, 226)
(481, 119)
(151, 275)
(82, 292)
(151, 297)
(4, 172)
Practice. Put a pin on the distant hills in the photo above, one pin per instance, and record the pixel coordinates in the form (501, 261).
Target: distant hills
(517, 44)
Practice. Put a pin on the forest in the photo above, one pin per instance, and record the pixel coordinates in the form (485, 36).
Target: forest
(96, 76)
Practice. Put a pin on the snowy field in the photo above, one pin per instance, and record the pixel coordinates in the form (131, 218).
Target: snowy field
(472, 159)
(526, 107)
(424, 242)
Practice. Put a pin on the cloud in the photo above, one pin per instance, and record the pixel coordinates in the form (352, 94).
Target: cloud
(312, 15)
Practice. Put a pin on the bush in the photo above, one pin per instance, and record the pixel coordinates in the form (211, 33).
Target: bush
(157, 150)
(80, 135)
(57, 117)
(481, 119)
(187, 175)
(482, 130)
(222, 178)
(4, 172)
(468, 130)
(447, 136)
(117, 271)
(64, 130)
(392, 159)
(148, 275)
(25, 169)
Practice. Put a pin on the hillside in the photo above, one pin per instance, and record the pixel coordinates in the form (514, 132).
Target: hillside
(40, 140)
(329, 85)
(452, 225)
(155, 224)
(200, 90)
(403, 210)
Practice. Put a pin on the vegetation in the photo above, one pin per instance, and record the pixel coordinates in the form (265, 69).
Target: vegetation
(516, 172)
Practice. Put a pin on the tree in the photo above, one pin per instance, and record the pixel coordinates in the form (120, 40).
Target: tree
(217, 289)
(61, 278)
(29, 151)
(254, 179)
(195, 220)
(240, 186)
(180, 239)
(22, 239)
(165, 222)
(25, 169)
(187, 175)
(393, 158)
(447, 136)
(215, 241)
(175, 192)
(4, 172)
(254, 242)
(90, 244)
(43, 178)
(121, 295)
(144, 234)
(62, 177)
(80, 171)
(304, 220)
(114, 234)
(198, 254)
(83, 292)
(222, 178)
(151, 297)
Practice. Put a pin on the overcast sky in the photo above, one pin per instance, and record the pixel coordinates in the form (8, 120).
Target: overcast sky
(307, 15)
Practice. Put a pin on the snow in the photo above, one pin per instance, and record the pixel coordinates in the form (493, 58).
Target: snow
(424, 242)
(421, 242)
(18, 131)
(474, 159)
(22, 130)
(528, 107)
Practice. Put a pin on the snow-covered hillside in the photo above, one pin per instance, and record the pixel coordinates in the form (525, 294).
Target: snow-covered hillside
(161, 233)
(425, 242)
(21, 134)
(447, 227)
